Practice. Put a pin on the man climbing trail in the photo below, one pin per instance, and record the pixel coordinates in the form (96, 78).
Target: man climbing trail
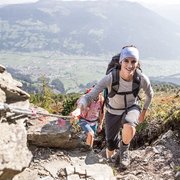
(122, 107)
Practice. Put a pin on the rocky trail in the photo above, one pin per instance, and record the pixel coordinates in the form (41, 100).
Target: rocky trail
(158, 162)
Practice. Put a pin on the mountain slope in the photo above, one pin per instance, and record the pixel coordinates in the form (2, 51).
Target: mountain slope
(87, 28)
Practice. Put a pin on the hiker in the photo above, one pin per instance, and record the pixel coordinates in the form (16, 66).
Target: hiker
(91, 120)
(122, 109)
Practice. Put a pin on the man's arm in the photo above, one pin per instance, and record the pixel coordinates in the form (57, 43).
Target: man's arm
(101, 114)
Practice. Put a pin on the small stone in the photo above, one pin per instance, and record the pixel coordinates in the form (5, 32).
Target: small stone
(177, 176)
(2, 68)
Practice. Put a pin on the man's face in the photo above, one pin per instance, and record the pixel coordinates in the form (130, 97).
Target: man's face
(129, 65)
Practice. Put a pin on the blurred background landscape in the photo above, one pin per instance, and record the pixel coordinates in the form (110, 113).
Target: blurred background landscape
(58, 49)
(69, 43)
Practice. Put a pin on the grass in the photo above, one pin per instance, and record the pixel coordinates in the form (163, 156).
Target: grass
(164, 106)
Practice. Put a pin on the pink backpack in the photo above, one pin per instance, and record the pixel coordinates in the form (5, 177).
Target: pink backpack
(92, 112)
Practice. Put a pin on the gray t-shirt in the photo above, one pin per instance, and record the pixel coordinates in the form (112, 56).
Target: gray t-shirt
(117, 102)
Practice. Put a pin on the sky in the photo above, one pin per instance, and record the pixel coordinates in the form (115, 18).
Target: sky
(4, 2)
(157, 1)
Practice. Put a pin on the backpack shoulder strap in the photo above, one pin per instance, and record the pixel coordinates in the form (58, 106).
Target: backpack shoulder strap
(115, 82)
(136, 83)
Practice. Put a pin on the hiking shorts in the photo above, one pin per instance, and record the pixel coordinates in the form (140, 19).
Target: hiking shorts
(87, 127)
(115, 122)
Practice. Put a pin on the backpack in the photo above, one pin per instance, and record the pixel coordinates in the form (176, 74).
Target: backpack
(114, 67)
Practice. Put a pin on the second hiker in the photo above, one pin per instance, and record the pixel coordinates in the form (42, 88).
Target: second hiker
(122, 108)
(91, 119)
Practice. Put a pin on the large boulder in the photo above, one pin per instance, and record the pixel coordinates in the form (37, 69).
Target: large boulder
(52, 132)
(14, 153)
(11, 88)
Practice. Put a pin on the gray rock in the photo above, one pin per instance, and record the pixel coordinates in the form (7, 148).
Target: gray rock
(2, 68)
(2, 96)
(27, 175)
(11, 87)
(14, 154)
(54, 133)
(177, 175)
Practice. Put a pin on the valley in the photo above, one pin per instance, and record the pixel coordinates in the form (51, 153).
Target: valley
(76, 71)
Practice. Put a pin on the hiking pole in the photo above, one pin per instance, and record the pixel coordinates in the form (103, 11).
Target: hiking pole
(6, 107)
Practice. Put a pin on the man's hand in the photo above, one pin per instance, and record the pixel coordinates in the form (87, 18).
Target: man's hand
(76, 112)
(142, 116)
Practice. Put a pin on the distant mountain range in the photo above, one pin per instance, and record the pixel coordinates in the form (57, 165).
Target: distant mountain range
(175, 78)
(87, 28)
